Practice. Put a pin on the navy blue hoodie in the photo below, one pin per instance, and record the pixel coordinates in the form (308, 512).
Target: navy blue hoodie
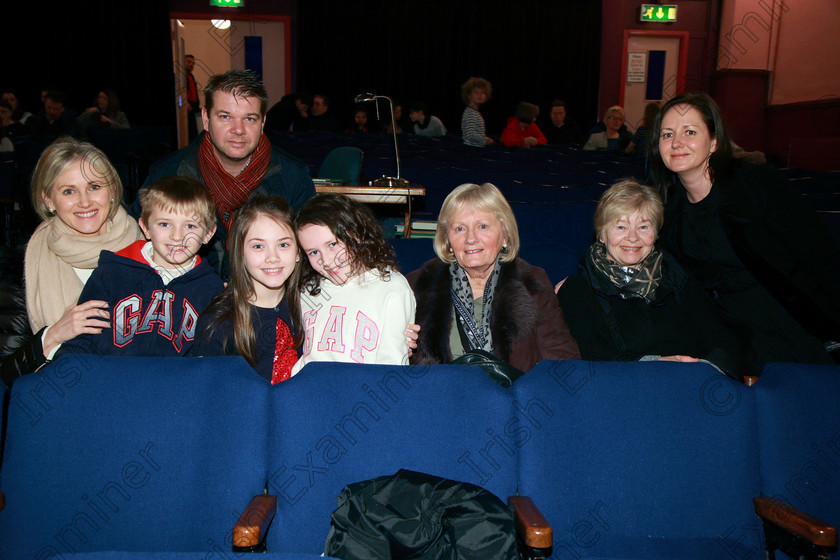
(148, 318)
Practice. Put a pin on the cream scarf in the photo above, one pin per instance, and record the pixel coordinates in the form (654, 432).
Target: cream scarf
(52, 253)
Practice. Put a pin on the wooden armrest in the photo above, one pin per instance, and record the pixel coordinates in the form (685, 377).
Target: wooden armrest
(750, 380)
(250, 530)
(530, 523)
(797, 522)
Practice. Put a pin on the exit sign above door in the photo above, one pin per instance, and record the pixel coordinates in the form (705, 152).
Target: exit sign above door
(659, 13)
(227, 3)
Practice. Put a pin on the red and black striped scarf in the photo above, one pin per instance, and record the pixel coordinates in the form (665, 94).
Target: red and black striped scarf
(231, 192)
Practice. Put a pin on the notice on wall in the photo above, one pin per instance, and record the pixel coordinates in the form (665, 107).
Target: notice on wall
(636, 63)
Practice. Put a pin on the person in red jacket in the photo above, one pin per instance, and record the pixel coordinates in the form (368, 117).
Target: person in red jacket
(521, 130)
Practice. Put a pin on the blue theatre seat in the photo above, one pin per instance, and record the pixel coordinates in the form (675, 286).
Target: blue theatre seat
(371, 421)
(134, 454)
(640, 460)
(799, 440)
(343, 163)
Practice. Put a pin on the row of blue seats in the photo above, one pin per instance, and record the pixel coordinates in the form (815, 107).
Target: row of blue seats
(625, 460)
(538, 175)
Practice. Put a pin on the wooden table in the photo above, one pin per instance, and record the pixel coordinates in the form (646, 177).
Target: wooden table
(378, 195)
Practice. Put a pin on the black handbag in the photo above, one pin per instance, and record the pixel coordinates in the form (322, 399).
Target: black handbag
(498, 370)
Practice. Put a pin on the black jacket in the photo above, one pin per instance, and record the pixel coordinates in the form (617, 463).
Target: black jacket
(414, 515)
(680, 320)
(778, 238)
(21, 350)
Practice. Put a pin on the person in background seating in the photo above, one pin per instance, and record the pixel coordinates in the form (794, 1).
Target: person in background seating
(521, 130)
(54, 122)
(319, 116)
(475, 92)
(19, 114)
(105, 113)
(560, 129)
(360, 121)
(615, 136)
(424, 123)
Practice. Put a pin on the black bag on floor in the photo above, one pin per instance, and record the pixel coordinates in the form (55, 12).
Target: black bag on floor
(419, 516)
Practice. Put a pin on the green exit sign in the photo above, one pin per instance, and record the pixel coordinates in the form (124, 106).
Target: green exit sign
(227, 3)
(658, 12)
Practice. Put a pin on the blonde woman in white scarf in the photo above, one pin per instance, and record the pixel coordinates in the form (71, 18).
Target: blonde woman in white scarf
(78, 193)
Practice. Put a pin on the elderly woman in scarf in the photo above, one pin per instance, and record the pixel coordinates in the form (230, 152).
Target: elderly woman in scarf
(78, 194)
(632, 301)
(478, 295)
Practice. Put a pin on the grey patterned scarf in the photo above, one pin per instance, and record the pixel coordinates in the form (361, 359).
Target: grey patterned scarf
(477, 333)
(640, 281)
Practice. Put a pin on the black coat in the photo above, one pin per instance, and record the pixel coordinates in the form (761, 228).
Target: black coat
(414, 515)
(781, 243)
(527, 324)
(680, 320)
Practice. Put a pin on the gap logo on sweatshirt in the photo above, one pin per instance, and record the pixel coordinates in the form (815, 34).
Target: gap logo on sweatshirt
(131, 318)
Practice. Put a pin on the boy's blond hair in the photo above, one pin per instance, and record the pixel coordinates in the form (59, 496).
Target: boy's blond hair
(178, 194)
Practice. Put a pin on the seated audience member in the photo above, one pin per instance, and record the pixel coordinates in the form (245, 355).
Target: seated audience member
(8, 128)
(632, 301)
(283, 113)
(77, 192)
(319, 117)
(424, 123)
(475, 92)
(360, 121)
(105, 113)
(615, 136)
(303, 104)
(399, 119)
(156, 289)
(641, 138)
(54, 122)
(19, 115)
(521, 130)
(560, 129)
(747, 236)
(479, 295)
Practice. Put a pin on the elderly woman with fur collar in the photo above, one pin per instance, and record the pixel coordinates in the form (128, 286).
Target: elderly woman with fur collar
(479, 294)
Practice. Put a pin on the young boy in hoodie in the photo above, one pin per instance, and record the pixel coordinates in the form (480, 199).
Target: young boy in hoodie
(156, 289)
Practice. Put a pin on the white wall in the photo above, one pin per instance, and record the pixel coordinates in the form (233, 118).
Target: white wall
(217, 51)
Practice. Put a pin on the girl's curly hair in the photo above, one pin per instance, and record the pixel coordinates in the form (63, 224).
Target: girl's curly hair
(354, 225)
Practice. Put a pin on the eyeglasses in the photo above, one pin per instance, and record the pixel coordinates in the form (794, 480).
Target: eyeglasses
(611, 118)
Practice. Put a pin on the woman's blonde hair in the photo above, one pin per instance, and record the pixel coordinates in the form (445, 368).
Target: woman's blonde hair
(58, 157)
(485, 198)
(623, 199)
